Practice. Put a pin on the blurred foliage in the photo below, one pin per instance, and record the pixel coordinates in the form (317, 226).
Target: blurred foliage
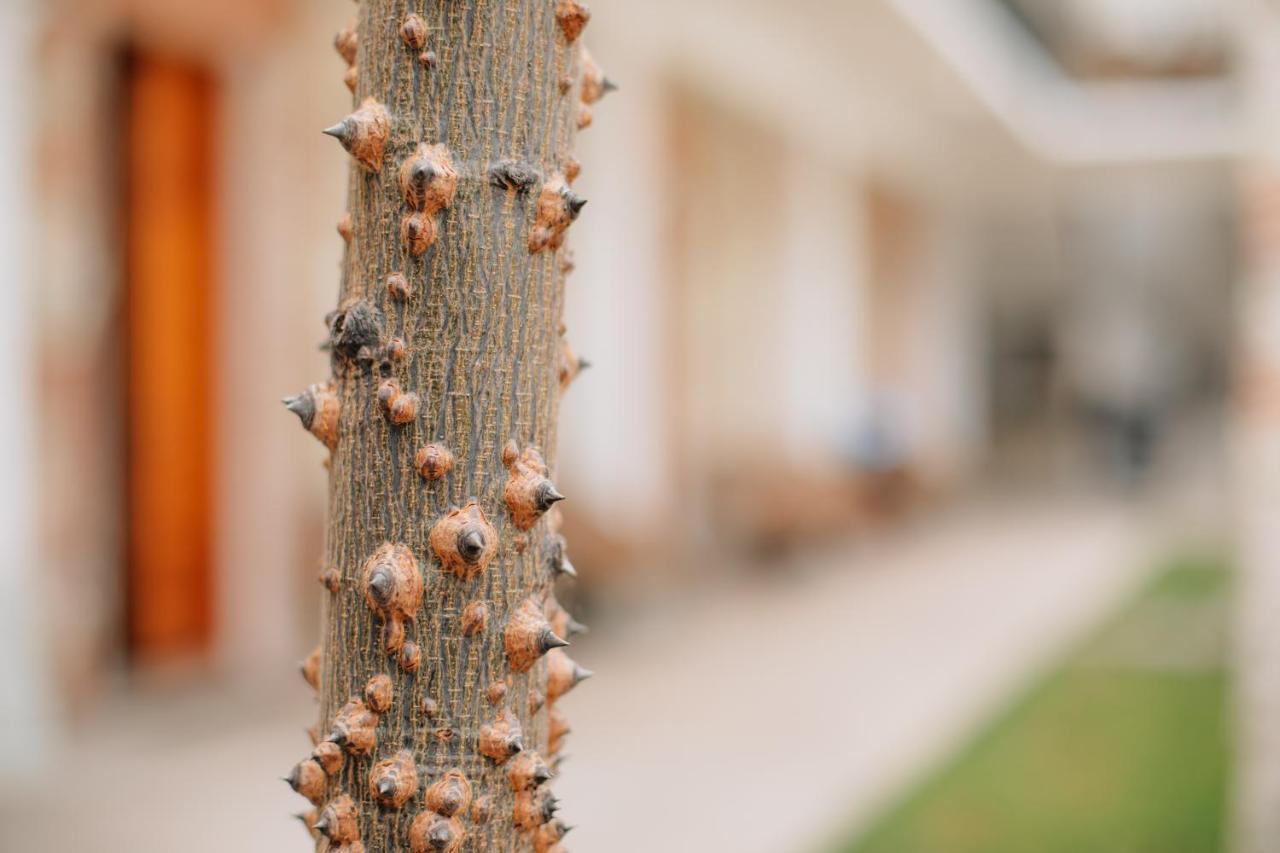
(1125, 747)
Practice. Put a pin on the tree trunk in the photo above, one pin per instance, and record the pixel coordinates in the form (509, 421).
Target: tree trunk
(440, 662)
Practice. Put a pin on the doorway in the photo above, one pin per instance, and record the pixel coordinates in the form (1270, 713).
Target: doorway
(168, 215)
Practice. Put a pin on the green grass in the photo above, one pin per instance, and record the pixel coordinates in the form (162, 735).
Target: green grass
(1105, 754)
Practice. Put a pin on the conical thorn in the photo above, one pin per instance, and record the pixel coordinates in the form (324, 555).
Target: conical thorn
(304, 406)
(471, 545)
(550, 641)
(548, 496)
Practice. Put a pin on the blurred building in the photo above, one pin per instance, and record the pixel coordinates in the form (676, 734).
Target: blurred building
(852, 257)
(842, 259)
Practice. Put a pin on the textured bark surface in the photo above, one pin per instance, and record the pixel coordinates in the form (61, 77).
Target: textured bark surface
(447, 366)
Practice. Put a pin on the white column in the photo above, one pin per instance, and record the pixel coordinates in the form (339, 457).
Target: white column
(613, 451)
(823, 291)
(28, 725)
(1256, 442)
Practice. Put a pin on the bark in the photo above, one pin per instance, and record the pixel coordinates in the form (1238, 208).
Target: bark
(435, 684)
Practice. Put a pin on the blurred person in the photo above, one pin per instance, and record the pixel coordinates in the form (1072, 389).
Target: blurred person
(1118, 360)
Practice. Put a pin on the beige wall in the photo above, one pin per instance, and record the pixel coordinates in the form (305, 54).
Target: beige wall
(280, 193)
(281, 278)
(722, 265)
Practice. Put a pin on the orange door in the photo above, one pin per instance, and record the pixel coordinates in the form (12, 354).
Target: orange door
(168, 202)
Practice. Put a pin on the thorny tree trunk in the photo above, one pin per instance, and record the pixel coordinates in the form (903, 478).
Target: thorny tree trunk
(440, 664)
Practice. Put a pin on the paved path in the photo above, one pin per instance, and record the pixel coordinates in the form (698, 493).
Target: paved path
(759, 718)
(768, 718)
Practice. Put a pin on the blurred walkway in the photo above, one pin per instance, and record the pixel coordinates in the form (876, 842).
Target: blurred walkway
(770, 719)
(762, 718)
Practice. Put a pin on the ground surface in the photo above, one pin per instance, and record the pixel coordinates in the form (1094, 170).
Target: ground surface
(763, 716)
(1125, 748)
